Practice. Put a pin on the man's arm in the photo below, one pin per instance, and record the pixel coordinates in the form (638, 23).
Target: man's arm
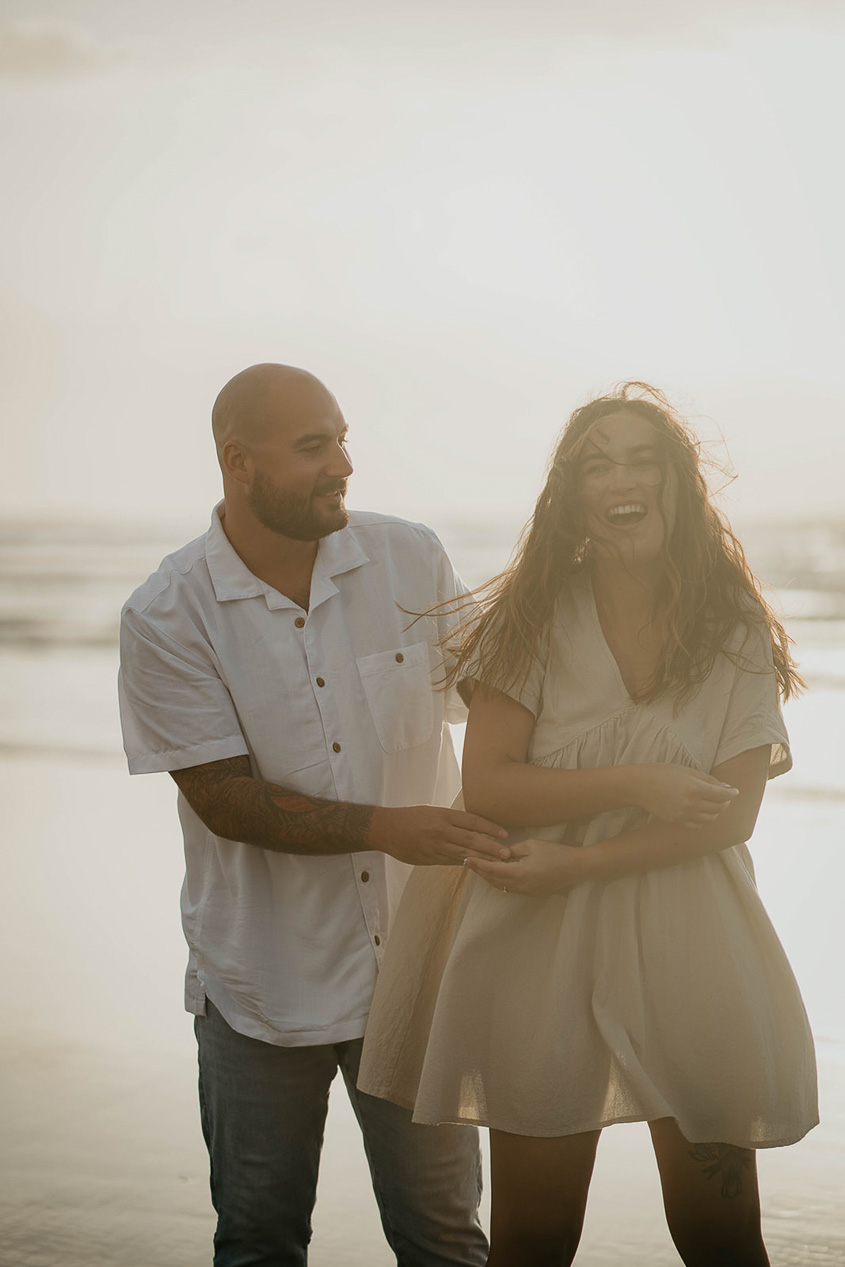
(235, 805)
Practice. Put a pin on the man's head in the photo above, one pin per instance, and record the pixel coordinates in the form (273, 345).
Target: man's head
(281, 444)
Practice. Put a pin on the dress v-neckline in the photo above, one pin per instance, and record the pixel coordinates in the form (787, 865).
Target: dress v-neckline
(605, 645)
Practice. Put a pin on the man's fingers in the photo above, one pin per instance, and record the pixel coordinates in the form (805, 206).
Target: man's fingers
(468, 855)
(480, 842)
(474, 822)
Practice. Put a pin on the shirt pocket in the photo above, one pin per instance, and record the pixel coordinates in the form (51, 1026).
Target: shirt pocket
(399, 691)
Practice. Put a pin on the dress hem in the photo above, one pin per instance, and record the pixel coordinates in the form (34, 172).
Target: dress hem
(582, 1128)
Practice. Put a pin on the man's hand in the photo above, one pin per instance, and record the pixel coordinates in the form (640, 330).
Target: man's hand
(427, 835)
(236, 806)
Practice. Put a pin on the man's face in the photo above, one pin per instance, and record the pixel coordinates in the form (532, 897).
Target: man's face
(300, 470)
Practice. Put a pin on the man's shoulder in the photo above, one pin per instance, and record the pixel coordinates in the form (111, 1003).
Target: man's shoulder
(370, 526)
(175, 570)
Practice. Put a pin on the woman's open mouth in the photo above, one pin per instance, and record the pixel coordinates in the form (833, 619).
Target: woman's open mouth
(626, 516)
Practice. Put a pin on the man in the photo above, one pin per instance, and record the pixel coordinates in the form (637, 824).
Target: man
(279, 669)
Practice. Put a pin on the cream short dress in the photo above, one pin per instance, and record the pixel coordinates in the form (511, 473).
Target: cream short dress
(665, 994)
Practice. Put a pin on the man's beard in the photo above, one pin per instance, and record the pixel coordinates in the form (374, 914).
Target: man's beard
(296, 517)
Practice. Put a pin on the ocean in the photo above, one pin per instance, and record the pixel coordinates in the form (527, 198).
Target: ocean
(103, 1162)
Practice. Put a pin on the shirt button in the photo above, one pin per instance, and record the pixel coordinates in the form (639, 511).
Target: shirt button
(321, 681)
(400, 659)
(299, 622)
(377, 939)
(336, 746)
(365, 875)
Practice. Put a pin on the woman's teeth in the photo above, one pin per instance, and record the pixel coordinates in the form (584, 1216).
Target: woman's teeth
(629, 514)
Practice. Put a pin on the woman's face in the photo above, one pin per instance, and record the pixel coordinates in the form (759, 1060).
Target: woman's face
(628, 492)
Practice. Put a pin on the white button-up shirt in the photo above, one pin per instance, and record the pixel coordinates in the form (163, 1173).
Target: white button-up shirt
(339, 702)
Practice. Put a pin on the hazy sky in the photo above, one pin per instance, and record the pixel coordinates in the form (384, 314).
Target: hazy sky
(466, 217)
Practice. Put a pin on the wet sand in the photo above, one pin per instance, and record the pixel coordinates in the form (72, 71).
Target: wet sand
(103, 1162)
(104, 1165)
(102, 1159)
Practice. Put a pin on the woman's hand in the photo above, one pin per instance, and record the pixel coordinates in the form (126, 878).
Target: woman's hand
(680, 795)
(535, 866)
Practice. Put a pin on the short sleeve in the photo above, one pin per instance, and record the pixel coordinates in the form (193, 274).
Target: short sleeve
(174, 709)
(526, 687)
(753, 717)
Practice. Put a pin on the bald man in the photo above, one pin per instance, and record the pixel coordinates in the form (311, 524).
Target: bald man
(275, 668)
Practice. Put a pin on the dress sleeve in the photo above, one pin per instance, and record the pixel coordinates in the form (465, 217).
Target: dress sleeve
(753, 716)
(175, 710)
(525, 688)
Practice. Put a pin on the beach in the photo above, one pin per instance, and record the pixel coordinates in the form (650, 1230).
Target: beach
(103, 1160)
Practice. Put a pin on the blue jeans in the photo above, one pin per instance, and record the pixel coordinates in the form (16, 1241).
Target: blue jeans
(263, 1111)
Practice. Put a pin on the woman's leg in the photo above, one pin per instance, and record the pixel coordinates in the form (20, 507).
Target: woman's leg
(539, 1194)
(711, 1199)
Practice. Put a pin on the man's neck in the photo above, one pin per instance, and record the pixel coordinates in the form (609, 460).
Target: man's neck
(280, 562)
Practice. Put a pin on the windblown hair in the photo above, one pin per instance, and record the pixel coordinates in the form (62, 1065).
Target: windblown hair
(707, 590)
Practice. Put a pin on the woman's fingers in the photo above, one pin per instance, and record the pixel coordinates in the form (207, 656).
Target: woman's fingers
(495, 873)
(707, 791)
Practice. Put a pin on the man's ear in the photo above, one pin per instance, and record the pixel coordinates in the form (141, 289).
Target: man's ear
(236, 462)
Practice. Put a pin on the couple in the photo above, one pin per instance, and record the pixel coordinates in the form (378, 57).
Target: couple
(293, 670)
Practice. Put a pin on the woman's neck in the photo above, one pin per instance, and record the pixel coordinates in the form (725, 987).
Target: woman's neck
(631, 625)
(625, 593)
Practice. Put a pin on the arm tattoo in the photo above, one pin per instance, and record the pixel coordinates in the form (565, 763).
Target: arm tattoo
(726, 1160)
(235, 805)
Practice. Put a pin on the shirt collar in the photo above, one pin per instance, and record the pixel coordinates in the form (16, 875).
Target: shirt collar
(337, 553)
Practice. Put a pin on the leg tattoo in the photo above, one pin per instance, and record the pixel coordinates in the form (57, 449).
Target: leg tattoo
(726, 1160)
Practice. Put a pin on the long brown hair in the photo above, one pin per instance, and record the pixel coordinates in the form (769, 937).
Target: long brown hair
(707, 590)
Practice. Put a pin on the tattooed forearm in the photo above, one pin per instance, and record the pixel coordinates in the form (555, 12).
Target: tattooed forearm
(725, 1160)
(237, 806)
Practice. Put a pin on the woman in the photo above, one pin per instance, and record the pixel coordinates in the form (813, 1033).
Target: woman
(618, 964)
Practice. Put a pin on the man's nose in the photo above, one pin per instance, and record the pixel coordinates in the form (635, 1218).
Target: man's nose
(339, 464)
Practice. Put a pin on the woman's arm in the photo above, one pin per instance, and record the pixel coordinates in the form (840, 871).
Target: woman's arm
(500, 784)
(541, 866)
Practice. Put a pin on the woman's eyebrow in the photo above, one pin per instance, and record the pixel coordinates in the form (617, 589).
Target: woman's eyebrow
(594, 451)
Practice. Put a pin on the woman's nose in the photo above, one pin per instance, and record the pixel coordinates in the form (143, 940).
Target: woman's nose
(623, 475)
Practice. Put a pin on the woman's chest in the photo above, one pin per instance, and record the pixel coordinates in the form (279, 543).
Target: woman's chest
(588, 703)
